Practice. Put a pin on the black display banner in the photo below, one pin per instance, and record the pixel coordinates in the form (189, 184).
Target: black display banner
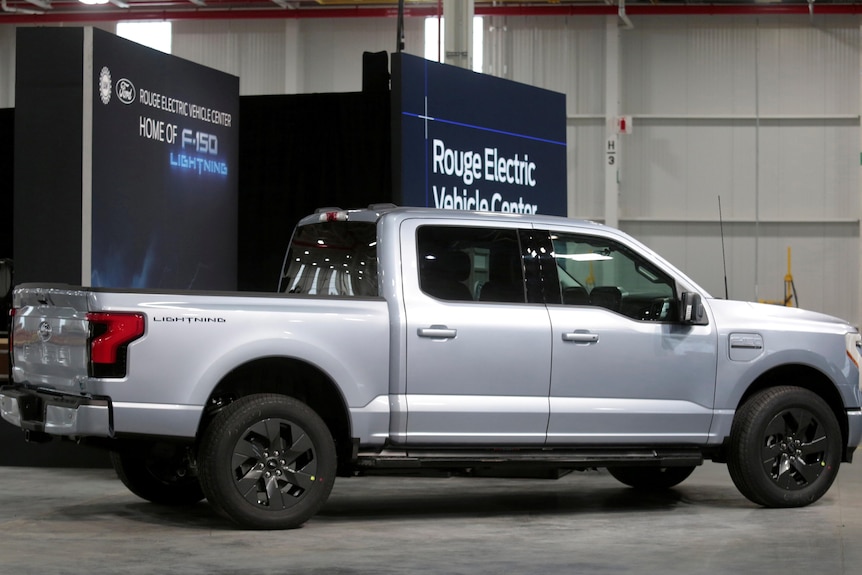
(48, 127)
(165, 135)
(469, 141)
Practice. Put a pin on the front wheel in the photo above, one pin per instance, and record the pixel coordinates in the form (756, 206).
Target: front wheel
(267, 462)
(785, 447)
(651, 478)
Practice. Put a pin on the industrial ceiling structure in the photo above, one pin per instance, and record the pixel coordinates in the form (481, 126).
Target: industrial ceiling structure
(80, 11)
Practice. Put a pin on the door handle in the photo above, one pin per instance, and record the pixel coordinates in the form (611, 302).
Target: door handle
(581, 337)
(437, 332)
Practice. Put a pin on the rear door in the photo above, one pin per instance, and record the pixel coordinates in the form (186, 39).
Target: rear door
(478, 355)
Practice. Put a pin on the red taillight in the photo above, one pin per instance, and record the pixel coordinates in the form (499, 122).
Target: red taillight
(110, 334)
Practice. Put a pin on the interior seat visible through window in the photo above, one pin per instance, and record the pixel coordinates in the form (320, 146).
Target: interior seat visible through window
(601, 272)
(576, 295)
(442, 275)
(609, 297)
(505, 276)
(464, 263)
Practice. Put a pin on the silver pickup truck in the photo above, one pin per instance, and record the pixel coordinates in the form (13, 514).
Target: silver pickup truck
(411, 340)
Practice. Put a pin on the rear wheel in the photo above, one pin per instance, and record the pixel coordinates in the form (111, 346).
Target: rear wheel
(785, 447)
(651, 478)
(158, 473)
(267, 462)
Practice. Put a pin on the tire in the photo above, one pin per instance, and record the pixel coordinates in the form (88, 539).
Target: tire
(651, 478)
(785, 447)
(267, 462)
(160, 475)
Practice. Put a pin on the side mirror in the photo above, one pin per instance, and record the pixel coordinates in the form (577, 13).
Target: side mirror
(691, 311)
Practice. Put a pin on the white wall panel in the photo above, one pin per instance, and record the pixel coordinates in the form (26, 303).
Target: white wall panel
(333, 50)
(7, 66)
(807, 170)
(561, 54)
(653, 62)
(657, 175)
(292, 56)
(763, 112)
(585, 156)
(254, 50)
(682, 65)
(804, 68)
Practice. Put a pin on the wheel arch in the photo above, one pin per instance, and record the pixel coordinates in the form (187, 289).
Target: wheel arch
(290, 377)
(809, 378)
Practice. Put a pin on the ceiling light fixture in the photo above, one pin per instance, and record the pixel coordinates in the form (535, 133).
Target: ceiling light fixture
(93, 2)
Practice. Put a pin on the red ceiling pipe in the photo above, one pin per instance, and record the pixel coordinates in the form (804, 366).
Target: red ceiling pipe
(87, 14)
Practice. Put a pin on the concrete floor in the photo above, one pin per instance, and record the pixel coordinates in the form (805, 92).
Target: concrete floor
(57, 521)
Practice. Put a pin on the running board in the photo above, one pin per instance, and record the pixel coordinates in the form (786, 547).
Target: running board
(541, 458)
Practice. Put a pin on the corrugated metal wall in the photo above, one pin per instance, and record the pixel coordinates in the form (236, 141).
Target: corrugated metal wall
(292, 56)
(762, 111)
(264, 54)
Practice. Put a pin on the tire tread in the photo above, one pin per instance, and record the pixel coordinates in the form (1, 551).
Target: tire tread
(219, 488)
(744, 455)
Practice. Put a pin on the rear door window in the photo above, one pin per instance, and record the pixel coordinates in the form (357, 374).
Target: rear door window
(462, 263)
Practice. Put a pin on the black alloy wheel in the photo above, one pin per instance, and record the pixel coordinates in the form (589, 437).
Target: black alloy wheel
(267, 462)
(785, 448)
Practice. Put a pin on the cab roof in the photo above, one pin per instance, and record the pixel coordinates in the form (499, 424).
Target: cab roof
(375, 211)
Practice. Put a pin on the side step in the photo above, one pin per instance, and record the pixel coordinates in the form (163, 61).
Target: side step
(570, 459)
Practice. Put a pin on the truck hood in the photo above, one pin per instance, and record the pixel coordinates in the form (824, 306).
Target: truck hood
(761, 315)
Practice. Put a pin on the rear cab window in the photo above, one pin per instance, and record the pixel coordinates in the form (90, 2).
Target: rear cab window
(333, 259)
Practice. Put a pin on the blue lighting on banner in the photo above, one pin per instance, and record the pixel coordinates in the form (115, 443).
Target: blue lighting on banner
(469, 141)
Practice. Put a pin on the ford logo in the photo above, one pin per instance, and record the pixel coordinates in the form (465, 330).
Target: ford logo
(45, 331)
(125, 91)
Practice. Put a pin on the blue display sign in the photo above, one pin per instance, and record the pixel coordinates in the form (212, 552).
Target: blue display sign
(469, 141)
(165, 155)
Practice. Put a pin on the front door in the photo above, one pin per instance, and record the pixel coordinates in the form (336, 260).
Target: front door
(625, 370)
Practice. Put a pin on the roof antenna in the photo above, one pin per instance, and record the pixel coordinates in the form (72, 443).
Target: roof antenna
(723, 258)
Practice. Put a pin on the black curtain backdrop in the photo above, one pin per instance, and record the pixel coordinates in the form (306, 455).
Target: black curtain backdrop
(49, 148)
(7, 147)
(299, 153)
(7, 139)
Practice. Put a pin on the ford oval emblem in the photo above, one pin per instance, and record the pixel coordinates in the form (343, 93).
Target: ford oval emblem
(45, 331)
(125, 91)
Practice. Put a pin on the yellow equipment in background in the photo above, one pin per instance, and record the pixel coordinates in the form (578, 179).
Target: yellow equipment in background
(790, 298)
